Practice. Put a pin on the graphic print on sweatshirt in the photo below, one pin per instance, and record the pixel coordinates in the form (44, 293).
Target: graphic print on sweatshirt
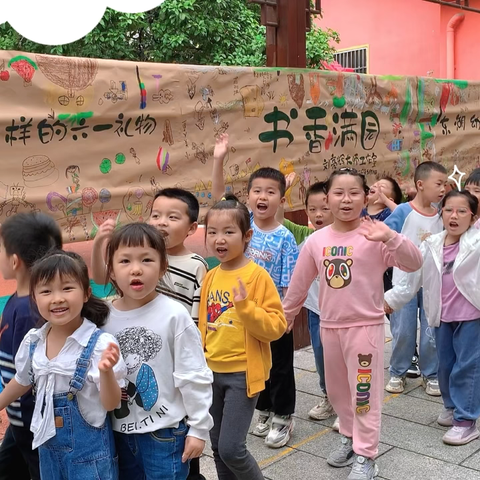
(138, 346)
(338, 271)
(218, 304)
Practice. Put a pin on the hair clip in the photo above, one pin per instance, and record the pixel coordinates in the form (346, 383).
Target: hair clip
(223, 199)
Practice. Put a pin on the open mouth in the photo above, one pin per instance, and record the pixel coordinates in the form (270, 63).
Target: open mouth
(222, 251)
(346, 209)
(453, 224)
(136, 284)
(163, 232)
(59, 311)
(262, 207)
(319, 223)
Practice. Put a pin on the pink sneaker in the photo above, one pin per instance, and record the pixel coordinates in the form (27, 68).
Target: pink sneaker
(458, 435)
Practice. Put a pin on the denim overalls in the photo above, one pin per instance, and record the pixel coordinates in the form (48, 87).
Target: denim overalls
(78, 451)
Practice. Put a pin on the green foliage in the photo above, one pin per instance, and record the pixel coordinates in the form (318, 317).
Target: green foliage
(202, 32)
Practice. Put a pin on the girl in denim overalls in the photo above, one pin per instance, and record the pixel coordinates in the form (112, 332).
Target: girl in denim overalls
(76, 372)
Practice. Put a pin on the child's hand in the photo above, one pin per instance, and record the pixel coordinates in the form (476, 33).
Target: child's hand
(105, 230)
(221, 146)
(193, 448)
(381, 196)
(110, 357)
(240, 294)
(376, 231)
(289, 179)
(388, 309)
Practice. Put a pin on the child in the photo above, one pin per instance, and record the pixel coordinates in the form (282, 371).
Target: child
(472, 185)
(383, 198)
(450, 282)
(320, 216)
(167, 378)
(175, 214)
(76, 372)
(416, 220)
(24, 238)
(272, 247)
(350, 261)
(240, 314)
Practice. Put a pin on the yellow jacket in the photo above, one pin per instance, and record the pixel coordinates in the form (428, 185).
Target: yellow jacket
(264, 321)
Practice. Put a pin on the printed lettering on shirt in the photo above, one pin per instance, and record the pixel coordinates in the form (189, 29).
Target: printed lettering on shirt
(139, 345)
(337, 251)
(218, 303)
(256, 254)
(364, 379)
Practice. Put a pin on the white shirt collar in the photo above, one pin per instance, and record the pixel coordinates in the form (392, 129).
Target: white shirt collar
(81, 335)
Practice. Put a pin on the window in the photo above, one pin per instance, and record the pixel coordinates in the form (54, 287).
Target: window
(356, 58)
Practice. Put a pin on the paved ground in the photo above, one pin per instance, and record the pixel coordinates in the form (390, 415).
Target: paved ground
(411, 441)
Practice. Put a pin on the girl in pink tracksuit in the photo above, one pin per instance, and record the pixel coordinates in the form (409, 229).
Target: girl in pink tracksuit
(351, 256)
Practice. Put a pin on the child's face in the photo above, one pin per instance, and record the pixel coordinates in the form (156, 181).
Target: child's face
(170, 217)
(346, 198)
(136, 271)
(475, 191)
(457, 217)
(374, 194)
(6, 263)
(224, 237)
(264, 198)
(60, 301)
(318, 212)
(433, 187)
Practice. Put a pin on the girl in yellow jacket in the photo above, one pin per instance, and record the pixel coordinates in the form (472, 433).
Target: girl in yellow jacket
(240, 314)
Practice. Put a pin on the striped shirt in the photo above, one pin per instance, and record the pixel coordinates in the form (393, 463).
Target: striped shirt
(183, 281)
(17, 319)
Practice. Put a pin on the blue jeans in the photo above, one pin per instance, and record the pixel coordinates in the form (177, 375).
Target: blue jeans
(149, 456)
(403, 325)
(314, 329)
(459, 368)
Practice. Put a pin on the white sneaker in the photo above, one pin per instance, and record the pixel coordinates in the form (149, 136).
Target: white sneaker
(363, 469)
(322, 411)
(262, 427)
(396, 385)
(280, 432)
(458, 435)
(432, 387)
(336, 425)
(343, 456)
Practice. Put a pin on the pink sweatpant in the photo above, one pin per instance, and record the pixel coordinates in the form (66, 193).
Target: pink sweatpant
(354, 379)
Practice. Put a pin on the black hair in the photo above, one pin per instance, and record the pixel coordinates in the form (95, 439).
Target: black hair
(271, 174)
(184, 196)
(425, 169)
(474, 177)
(314, 188)
(349, 171)
(396, 190)
(471, 199)
(239, 212)
(69, 265)
(30, 236)
(135, 235)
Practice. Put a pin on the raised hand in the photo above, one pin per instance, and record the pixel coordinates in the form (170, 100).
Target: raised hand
(289, 179)
(239, 294)
(376, 231)
(110, 357)
(105, 230)
(221, 146)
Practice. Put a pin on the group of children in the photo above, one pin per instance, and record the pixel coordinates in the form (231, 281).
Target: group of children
(179, 354)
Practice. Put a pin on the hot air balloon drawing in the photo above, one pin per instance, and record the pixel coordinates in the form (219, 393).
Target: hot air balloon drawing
(72, 74)
(25, 67)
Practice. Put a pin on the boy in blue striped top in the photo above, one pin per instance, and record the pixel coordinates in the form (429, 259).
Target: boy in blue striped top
(24, 238)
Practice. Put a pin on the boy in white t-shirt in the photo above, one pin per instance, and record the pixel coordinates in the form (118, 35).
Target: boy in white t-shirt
(320, 216)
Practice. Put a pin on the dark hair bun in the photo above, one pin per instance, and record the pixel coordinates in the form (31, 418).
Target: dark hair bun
(230, 196)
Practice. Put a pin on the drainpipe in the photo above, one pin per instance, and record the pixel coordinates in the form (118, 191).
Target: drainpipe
(454, 22)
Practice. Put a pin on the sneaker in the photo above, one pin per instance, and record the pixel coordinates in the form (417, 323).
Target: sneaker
(458, 435)
(322, 411)
(431, 387)
(262, 427)
(445, 419)
(336, 425)
(396, 385)
(414, 370)
(363, 469)
(280, 432)
(343, 456)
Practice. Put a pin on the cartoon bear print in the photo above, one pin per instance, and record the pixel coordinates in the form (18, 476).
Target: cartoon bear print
(338, 272)
(364, 360)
